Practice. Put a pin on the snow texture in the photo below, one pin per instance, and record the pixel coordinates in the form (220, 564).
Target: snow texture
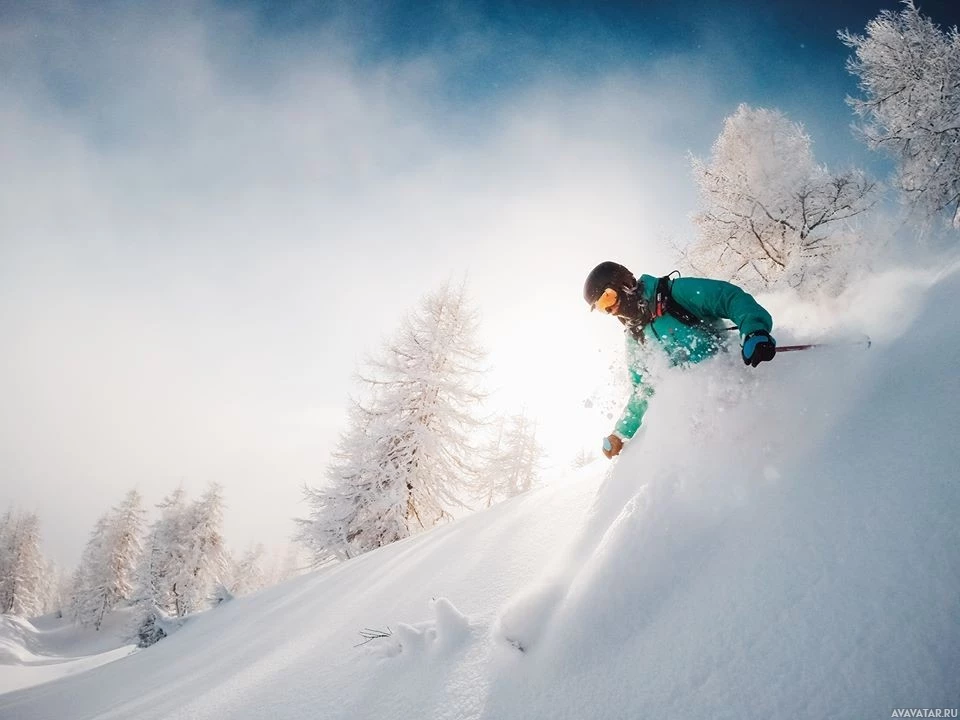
(47, 648)
(776, 543)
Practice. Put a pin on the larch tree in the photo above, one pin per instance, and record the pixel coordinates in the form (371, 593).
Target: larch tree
(407, 457)
(769, 213)
(365, 503)
(60, 591)
(106, 576)
(284, 563)
(22, 565)
(88, 599)
(160, 563)
(583, 458)
(183, 563)
(512, 460)
(909, 75)
(247, 573)
(204, 561)
(125, 546)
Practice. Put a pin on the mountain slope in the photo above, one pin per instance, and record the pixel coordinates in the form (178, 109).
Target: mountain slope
(779, 542)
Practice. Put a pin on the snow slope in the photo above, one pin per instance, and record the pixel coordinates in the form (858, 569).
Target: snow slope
(777, 543)
(48, 648)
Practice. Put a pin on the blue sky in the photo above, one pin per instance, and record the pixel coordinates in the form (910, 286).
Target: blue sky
(194, 193)
(783, 53)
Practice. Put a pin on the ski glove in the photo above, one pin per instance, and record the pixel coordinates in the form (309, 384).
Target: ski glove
(758, 347)
(612, 445)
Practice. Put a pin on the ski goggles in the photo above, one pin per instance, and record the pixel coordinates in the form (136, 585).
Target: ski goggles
(607, 301)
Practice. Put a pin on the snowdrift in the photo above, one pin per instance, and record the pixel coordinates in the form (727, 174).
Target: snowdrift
(780, 542)
(48, 648)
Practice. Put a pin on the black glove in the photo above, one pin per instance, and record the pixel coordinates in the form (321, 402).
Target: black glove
(758, 347)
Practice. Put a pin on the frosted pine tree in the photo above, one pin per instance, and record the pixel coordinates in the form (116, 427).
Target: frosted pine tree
(583, 458)
(406, 458)
(366, 503)
(909, 73)
(284, 563)
(247, 573)
(160, 564)
(106, 576)
(204, 559)
(769, 211)
(22, 565)
(7, 529)
(48, 590)
(59, 599)
(88, 597)
(512, 459)
(522, 455)
(125, 546)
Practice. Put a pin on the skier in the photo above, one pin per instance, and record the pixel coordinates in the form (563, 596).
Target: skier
(679, 315)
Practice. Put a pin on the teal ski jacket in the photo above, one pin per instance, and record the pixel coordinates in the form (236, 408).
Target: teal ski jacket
(710, 300)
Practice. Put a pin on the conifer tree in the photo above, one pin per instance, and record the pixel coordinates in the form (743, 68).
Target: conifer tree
(204, 558)
(106, 576)
(512, 459)
(160, 562)
(248, 574)
(407, 458)
(583, 458)
(22, 565)
(88, 599)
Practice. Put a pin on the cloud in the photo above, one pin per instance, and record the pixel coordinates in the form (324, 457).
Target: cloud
(193, 205)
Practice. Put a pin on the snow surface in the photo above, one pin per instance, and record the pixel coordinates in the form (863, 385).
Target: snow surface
(780, 542)
(48, 648)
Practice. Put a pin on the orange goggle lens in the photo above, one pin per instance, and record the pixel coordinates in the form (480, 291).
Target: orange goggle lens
(606, 301)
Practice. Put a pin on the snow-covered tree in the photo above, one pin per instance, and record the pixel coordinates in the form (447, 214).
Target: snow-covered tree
(405, 459)
(88, 601)
(769, 211)
(58, 599)
(183, 563)
(106, 575)
(583, 458)
(204, 560)
(909, 74)
(365, 504)
(163, 552)
(511, 460)
(284, 563)
(247, 573)
(22, 565)
(160, 562)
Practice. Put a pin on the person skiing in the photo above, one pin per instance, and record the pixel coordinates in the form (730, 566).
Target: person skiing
(682, 316)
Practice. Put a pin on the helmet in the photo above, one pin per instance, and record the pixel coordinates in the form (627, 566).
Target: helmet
(606, 275)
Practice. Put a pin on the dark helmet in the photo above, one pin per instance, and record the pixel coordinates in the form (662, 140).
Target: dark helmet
(606, 275)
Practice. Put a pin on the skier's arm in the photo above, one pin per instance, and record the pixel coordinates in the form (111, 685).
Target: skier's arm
(632, 415)
(716, 299)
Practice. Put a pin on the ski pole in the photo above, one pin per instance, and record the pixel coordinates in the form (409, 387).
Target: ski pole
(865, 344)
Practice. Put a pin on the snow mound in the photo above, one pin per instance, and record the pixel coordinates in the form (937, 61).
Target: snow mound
(48, 648)
(449, 629)
(779, 542)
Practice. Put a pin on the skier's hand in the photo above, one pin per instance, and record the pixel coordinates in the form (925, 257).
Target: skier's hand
(612, 445)
(758, 347)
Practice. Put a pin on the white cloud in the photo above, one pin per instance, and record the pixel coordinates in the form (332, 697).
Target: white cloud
(190, 209)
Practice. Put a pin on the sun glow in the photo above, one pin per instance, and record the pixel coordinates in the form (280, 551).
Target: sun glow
(558, 363)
